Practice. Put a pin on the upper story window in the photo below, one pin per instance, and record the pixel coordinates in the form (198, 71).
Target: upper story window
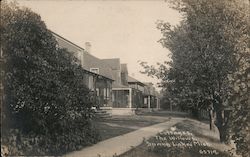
(94, 70)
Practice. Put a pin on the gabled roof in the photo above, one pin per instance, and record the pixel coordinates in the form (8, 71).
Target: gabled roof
(114, 63)
(66, 40)
(149, 89)
(89, 61)
(133, 80)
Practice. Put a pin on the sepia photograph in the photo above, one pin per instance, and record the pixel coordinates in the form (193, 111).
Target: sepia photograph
(125, 78)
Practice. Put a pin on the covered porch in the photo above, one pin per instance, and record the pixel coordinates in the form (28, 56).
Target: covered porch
(126, 100)
(101, 89)
(151, 102)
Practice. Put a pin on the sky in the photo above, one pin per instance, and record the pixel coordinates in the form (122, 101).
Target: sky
(124, 29)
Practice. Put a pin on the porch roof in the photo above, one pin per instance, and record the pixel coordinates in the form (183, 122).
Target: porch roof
(98, 75)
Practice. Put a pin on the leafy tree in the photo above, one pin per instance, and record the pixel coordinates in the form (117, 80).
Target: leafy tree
(47, 107)
(207, 47)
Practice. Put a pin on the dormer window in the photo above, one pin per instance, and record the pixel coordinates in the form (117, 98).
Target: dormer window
(94, 70)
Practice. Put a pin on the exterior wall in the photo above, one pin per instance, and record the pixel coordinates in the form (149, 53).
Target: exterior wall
(101, 87)
(117, 76)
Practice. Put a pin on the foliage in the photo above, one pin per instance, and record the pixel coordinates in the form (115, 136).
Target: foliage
(239, 99)
(45, 97)
(210, 62)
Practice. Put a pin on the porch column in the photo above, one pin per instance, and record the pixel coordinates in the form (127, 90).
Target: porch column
(106, 83)
(149, 102)
(95, 94)
(130, 98)
(157, 103)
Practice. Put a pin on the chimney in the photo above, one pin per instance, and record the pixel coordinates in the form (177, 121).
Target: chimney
(88, 47)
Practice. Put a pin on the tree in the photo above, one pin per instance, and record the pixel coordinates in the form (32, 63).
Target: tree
(47, 107)
(203, 52)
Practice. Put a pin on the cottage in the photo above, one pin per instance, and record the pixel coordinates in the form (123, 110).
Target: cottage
(151, 96)
(121, 92)
(98, 76)
(108, 79)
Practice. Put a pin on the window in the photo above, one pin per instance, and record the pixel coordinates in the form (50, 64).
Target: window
(97, 92)
(91, 82)
(106, 93)
(94, 70)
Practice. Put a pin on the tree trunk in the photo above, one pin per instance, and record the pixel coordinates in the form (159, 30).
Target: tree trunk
(220, 125)
(211, 120)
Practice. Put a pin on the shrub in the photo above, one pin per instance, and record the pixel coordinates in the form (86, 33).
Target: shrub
(47, 107)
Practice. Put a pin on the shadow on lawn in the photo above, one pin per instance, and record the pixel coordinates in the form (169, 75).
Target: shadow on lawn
(119, 125)
(187, 125)
(174, 144)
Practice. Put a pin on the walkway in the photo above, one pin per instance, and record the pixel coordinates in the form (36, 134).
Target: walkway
(120, 144)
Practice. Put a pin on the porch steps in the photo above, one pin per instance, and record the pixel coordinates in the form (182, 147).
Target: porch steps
(100, 113)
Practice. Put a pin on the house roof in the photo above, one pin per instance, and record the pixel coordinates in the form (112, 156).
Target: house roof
(114, 63)
(149, 89)
(133, 80)
(115, 85)
(69, 42)
(89, 61)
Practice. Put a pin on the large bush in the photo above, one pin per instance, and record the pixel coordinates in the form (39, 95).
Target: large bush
(47, 108)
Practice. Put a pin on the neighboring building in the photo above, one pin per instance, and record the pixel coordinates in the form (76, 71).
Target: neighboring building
(151, 96)
(98, 76)
(121, 92)
(138, 91)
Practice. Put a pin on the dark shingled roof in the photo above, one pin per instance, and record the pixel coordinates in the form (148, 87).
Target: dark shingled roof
(133, 80)
(114, 63)
(89, 61)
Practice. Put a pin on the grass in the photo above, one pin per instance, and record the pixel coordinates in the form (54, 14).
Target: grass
(164, 113)
(139, 121)
(154, 147)
(119, 125)
(199, 130)
(187, 125)
(107, 131)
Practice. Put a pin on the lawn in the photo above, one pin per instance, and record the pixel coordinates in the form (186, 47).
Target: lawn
(200, 129)
(174, 144)
(119, 125)
(164, 113)
(182, 141)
